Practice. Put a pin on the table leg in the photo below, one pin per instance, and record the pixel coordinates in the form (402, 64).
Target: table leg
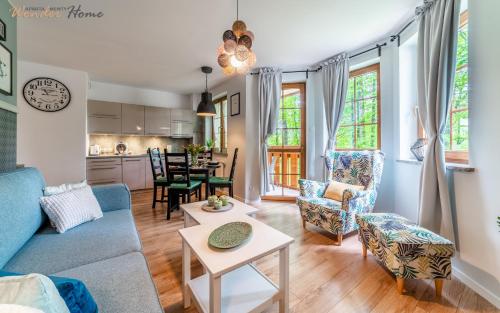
(284, 280)
(187, 220)
(215, 293)
(186, 273)
(207, 187)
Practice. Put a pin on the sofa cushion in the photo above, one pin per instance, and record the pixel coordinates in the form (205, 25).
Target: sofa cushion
(73, 291)
(119, 285)
(20, 212)
(48, 251)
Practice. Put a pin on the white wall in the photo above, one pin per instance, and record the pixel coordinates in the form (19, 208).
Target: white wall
(53, 142)
(133, 95)
(236, 132)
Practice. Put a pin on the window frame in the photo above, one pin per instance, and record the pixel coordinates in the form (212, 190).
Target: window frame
(367, 69)
(223, 128)
(454, 156)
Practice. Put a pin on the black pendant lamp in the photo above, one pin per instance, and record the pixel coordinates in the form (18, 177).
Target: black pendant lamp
(206, 106)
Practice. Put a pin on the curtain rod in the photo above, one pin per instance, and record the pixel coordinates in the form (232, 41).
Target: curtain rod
(307, 71)
(398, 35)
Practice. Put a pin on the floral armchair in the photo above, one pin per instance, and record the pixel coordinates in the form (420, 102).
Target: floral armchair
(351, 167)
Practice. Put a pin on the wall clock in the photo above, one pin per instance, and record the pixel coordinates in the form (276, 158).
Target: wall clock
(46, 94)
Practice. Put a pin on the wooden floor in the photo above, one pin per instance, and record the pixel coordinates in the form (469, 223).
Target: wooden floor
(323, 277)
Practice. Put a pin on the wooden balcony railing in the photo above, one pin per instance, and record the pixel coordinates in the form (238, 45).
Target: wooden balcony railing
(285, 167)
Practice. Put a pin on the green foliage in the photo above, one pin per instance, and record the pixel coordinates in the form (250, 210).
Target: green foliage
(359, 122)
(289, 122)
(209, 143)
(456, 134)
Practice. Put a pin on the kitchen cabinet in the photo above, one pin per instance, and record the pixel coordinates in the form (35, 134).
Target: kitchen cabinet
(132, 119)
(181, 115)
(133, 169)
(104, 117)
(157, 121)
(181, 129)
(104, 171)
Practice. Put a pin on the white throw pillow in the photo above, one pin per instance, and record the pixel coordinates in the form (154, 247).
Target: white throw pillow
(16, 308)
(54, 190)
(32, 290)
(72, 208)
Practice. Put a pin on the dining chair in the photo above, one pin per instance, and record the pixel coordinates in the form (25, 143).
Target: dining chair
(225, 182)
(180, 182)
(159, 178)
(208, 155)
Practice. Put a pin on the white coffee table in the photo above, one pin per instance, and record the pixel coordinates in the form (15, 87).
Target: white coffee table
(194, 212)
(232, 283)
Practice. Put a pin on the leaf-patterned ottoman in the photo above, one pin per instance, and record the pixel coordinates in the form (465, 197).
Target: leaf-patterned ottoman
(406, 249)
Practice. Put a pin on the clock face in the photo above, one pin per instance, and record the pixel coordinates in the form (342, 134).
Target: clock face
(46, 94)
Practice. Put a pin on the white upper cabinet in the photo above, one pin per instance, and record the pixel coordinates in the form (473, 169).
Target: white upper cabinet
(104, 117)
(132, 119)
(179, 115)
(157, 121)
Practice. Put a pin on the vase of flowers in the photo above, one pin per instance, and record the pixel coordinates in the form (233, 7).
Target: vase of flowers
(194, 150)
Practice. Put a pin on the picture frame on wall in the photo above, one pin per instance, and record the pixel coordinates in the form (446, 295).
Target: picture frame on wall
(234, 102)
(5, 70)
(3, 31)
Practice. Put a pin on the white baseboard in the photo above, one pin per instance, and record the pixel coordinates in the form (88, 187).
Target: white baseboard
(478, 288)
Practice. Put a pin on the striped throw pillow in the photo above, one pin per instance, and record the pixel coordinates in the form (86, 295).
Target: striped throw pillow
(72, 208)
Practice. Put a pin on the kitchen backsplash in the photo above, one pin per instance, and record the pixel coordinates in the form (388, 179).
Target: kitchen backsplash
(136, 144)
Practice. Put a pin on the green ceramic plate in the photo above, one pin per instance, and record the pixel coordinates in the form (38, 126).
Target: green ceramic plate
(230, 235)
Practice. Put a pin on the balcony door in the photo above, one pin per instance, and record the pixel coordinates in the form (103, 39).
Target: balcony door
(287, 146)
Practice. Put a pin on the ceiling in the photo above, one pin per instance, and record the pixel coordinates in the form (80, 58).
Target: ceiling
(161, 44)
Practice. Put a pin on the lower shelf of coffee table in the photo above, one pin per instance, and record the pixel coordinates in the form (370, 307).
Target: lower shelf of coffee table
(245, 289)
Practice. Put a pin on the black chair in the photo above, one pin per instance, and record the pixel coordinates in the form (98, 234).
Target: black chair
(225, 182)
(180, 183)
(159, 178)
(208, 155)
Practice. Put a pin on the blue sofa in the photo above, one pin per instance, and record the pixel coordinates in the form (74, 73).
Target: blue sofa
(105, 254)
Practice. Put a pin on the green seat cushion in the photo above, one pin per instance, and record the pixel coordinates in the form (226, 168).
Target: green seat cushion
(194, 184)
(197, 176)
(164, 180)
(220, 181)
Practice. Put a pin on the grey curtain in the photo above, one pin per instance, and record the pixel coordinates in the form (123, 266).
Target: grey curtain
(269, 90)
(335, 76)
(436, 64)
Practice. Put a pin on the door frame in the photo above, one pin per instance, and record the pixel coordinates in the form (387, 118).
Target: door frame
(302, 149)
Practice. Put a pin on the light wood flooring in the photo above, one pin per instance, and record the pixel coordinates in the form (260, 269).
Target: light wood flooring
(323, 277)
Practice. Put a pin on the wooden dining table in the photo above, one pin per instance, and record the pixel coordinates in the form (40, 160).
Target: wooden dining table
(206, 169)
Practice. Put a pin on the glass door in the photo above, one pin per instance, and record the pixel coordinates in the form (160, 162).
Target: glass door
(286, 147)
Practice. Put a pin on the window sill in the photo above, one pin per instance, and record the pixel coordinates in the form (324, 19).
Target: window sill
(456, 167)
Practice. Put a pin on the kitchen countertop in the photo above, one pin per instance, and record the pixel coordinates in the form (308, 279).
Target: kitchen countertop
(103, 156)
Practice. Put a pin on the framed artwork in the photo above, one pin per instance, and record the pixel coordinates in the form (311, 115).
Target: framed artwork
(235, 104)
(5, 70)
(3, 31)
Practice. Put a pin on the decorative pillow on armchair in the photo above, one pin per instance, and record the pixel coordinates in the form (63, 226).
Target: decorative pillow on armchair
(72, 208)
(335, 190)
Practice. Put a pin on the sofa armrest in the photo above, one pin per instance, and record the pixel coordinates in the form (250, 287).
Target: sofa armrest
(359, 201)
(311, 188)
(113, 197)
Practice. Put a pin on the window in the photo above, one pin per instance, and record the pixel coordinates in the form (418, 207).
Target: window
(456, 136)
(456, 133)
(360, 122)
(219, 125)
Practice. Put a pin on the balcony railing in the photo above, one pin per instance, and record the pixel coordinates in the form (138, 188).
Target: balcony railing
(284, 167)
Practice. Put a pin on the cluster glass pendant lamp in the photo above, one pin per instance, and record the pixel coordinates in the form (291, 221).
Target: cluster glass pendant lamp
(235, 55)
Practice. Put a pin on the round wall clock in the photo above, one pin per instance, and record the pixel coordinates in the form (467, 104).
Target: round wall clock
(46, 94)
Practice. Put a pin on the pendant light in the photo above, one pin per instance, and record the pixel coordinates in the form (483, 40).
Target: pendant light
(206, 106)
(235, 54)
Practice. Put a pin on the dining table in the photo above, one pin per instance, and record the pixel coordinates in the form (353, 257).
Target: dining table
(205, 168)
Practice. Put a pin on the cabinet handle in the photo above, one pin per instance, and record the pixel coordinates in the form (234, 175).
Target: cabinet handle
(103, 168)
(105, 115)
(102, 161)
(133, 160)
(104, 182)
